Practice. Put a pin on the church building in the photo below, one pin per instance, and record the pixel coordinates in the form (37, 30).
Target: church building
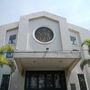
(47, 54)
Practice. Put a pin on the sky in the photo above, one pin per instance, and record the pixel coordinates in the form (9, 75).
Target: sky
(75, 11)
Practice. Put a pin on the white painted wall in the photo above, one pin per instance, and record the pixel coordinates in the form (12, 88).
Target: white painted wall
(74, 77)
(84, 34)
(26, 35)
(17, 81)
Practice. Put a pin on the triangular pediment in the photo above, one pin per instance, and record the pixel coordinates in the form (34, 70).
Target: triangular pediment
(43, 14)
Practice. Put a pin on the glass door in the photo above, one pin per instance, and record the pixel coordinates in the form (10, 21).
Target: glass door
(45, 80)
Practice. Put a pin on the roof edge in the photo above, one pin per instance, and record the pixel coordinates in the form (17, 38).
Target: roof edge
(10, 26)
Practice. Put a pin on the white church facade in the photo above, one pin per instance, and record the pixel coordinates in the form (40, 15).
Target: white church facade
(47, 54)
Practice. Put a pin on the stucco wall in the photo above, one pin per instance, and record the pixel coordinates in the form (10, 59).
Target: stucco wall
(73, 78)
(17, 81)
(26, 35)
(84, 34)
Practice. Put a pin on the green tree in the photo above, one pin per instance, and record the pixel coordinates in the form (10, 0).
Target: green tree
(84, 62)
(87, 42)
(8, 48)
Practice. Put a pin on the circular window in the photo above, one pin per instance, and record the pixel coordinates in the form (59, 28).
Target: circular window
(44, 34)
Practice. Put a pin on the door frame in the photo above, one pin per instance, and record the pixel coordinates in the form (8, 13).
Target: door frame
(62, 74)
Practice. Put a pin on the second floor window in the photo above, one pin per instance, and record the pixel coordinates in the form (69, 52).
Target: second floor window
(73, 40)
(12, 39)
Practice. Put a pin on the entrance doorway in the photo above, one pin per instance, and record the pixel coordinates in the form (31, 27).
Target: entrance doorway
(45, 80)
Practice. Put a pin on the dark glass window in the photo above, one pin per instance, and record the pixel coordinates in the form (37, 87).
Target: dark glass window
(44, 34)
(73, 40)
(12, 39)
(82, 82)
(73, 86)
(5, 82)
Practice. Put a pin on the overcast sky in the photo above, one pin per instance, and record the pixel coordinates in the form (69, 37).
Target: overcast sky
(76, 11)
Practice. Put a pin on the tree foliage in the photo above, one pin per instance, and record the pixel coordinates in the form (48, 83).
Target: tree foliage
(87, 42)
(8, 48)
(84, 62)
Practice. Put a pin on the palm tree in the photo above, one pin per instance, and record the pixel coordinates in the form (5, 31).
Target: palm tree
(84, 62)
(4, 50)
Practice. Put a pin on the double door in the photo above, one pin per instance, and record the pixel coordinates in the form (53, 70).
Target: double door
(45, 80)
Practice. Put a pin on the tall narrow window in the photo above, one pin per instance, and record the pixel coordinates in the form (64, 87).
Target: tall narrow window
(82, 82)
(5, 82)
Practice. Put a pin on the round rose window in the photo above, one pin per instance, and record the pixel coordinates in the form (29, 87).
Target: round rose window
(44, 34)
